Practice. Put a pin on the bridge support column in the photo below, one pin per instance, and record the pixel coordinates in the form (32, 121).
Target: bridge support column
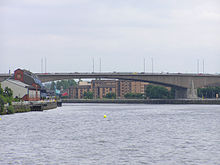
(186, 93)
(192, 93)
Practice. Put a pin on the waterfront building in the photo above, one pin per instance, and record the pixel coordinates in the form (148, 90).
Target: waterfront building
(77, 92)
(21, 90)
(125, 86)
(25, 85)
(101, 88)
(27, 77)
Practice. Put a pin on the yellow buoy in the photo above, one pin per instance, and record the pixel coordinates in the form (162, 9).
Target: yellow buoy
(105, 116)
(0, 118)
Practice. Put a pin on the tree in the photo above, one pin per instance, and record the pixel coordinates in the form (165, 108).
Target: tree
(208, 92)
(64, 84)
(88, 95)
(134, 96)
(5, 97)
(52, 86)
(110, 96)
(1, 90)
(8, 92)
(72, 83)
(58, 85)
(2, 102)
(172, 93)
(158, 92)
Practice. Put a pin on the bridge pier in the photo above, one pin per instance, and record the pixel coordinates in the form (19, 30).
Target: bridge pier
(184, 93)
(192, 93)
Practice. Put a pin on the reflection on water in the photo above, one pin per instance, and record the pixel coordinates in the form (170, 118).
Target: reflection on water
(130, 134)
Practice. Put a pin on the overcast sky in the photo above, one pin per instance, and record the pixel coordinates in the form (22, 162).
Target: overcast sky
(70, 33)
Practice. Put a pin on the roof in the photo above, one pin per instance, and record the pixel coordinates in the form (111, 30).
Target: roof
(19, 83)
(30, 78)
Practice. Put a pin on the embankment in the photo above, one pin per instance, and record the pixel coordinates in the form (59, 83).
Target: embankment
(18, 107)
(147, 101)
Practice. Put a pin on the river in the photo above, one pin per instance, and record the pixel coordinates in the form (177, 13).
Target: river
(78, 134)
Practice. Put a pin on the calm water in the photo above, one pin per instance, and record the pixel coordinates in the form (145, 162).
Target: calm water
(131, 134)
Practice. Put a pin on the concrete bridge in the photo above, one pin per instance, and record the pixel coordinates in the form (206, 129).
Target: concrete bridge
(185, 84)
(4, 76)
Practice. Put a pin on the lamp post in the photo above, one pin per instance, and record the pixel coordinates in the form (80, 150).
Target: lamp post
(152, 63)
(93, 67)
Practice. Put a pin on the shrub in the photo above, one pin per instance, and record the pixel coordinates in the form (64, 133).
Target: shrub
(110, 96)
(159, 92)
(134, 96)
(2, 102)
(88, 95)
(10, 109)
(1, 90)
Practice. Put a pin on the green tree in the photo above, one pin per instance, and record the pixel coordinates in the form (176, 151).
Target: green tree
(134, 96)
(88, 95)
(157, 92)
(52, 86)
(6, 96)
(58, 85)
(65, 84)
(208, 92)
(8, 92)
(172, 93)
(2, 102)
(10, 109)
(72, 83)
(1, 90)
(110, 95)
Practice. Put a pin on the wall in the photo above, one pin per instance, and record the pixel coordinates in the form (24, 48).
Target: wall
(32, 95)
(17, 90)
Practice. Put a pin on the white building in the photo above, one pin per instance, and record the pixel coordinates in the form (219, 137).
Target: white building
(20, 89)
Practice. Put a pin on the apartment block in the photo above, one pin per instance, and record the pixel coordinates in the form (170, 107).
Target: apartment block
(101, 88)
(77, 92)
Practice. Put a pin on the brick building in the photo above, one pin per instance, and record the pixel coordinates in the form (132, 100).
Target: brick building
(124, 87)
(77, 92)
(102, 87)
(25, 85)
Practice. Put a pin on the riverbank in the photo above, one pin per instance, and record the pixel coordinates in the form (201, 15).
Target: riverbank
(27, 106)
(147, 101)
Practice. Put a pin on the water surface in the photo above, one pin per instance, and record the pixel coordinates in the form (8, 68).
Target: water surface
(131, 134)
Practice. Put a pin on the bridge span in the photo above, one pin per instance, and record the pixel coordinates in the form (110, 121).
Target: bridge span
(185, 84)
